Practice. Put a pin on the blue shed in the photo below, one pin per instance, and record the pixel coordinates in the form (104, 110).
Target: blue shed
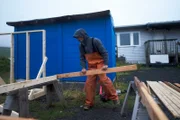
(62, 49)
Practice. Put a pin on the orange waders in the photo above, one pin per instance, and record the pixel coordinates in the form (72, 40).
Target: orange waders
(95, 61)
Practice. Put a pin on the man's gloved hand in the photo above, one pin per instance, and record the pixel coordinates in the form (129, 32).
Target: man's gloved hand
(83, 71)
(105, 67)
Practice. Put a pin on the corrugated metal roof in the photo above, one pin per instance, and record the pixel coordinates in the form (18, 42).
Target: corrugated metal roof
(66, 18)
(153, 25)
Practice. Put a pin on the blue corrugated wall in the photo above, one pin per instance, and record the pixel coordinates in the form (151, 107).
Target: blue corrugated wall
(62, 49)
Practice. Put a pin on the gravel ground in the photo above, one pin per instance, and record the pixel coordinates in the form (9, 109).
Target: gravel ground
(170, 74)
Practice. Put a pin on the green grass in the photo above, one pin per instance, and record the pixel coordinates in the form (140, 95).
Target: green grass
(4, 68)
(5, 52)
(42, 112)
(73, 98)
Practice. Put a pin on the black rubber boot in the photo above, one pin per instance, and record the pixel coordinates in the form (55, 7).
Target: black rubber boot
(6, 112)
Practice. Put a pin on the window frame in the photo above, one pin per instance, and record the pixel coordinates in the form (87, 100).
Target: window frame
(131, 39)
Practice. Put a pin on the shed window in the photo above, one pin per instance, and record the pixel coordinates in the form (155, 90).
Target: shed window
(129, 39)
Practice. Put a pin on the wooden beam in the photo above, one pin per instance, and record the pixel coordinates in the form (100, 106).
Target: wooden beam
(177, 84)
(99, 71)
(30, 83)
(152, 107)
(172, 86)
(14, 118)
(25, 84)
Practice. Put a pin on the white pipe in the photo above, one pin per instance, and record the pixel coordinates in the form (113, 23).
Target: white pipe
(44, 55)
(42, 68)
(27, 55)
(21, 32)
(30, 96)
(12, 60)
(44, 51)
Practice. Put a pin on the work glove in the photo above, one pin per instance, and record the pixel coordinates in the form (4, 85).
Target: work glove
(105, 67)
(83, 71)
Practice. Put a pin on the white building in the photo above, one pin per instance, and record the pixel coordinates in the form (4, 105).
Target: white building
(131, 40)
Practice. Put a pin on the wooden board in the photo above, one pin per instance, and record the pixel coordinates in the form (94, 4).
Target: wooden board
(177, 84)
(14, 118)
(152, 107)
(99, 71)
(29, 83)
(25, 84)
(172, 86)
(166, 96)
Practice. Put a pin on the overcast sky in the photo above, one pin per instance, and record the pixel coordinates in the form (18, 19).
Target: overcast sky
(124, 12)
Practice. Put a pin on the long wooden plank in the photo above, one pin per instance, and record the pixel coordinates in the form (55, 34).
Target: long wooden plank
(99, 71)
(172, 86)
(177, 84)
(25, 84)
(30, 83)
(163, 94)
(14, 118)
(152, 107)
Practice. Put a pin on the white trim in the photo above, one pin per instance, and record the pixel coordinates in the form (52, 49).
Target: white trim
(131, 39)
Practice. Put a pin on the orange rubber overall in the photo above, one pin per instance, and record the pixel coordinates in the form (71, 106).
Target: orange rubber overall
(95, 61)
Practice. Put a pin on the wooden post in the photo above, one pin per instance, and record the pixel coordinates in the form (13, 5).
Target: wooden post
(49, 94)
(23, 103)
(58, 90)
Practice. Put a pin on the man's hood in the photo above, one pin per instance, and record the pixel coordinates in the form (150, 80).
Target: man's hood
(80, 33)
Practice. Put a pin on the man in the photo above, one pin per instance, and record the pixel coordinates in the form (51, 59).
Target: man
(93, 51)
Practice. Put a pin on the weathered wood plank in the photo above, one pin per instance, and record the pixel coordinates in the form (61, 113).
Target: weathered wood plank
(168, 103)
(166, 97)
(14, 118)
(172, 91)
(30, 83)
(177, 84)
(58, 91)
(49, 94)
(99, 71)
(23, 103)
(152, 107)
(172, 86)
(25, 84)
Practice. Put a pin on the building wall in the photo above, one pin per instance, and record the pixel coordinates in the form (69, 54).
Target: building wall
(61, 48)
(136, 54)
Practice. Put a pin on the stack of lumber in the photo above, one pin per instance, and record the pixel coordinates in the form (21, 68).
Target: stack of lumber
(168, 94)
(153, 109)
